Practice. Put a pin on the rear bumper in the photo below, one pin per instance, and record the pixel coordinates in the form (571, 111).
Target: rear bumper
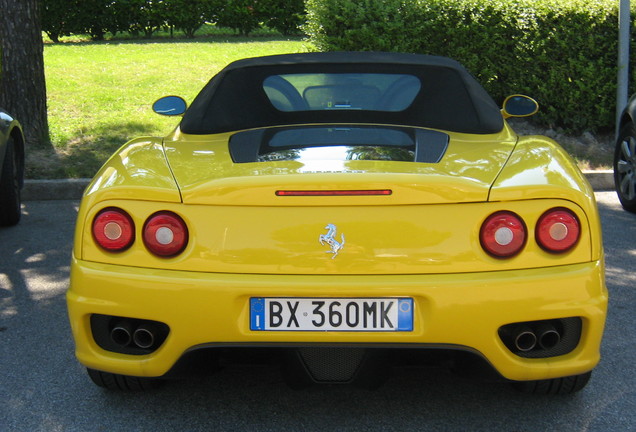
(464, 311)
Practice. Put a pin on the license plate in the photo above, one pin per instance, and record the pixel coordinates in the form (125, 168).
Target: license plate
(331, 314)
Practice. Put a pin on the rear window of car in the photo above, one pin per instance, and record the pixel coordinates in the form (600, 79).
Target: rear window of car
(342, 91)
(338, 142)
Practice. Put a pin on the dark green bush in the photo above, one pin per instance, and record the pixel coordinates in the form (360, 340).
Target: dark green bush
(56, 18)
(93, 17)
(284, 16)
(188, 15)
(562, 52)
(145, 17)
(244, 16)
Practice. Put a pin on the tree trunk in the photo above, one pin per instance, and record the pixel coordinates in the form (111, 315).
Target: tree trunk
(22, 83)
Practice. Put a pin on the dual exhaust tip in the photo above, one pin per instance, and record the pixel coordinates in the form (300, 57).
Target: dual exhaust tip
(531, 336)
(127, 335)
(544, 336)
(144, 335)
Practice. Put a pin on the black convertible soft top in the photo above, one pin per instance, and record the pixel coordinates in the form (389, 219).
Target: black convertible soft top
(450, 98)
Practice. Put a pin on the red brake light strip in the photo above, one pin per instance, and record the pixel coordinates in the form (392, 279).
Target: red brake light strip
(333, 192)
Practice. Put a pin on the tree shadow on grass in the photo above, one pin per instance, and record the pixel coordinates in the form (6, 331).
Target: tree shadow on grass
(85, 152)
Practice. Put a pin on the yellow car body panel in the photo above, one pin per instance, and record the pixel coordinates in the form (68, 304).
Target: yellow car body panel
(416, 239)
(138, 170)
(460, 310)
(206, 174)
(539, 167)
(424, 226)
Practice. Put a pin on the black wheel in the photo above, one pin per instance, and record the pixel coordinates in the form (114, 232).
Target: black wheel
(10, 184)
(625, 167)
(117, 382)
(565, 385)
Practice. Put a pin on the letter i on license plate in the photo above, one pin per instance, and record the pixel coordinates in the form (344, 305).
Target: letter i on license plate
(331, 314)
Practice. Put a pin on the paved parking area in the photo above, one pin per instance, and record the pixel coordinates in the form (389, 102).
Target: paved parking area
(45, 389)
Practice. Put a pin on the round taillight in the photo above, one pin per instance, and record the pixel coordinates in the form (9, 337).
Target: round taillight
(165, 234)
(558, 230)
(503, 234)
(113, 229)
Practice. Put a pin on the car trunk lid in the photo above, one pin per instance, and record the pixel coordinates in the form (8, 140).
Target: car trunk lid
(207, 174)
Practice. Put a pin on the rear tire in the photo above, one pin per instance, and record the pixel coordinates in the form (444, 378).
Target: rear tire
(565, 385)
(10, 184)
(125, 383)
(625, 167)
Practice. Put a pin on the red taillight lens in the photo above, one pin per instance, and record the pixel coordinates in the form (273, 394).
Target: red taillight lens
(363, 192)
(558, 230)
(503, 234)
(165, 234)
(113, 229)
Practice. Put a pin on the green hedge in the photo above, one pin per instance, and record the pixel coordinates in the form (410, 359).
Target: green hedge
(561, 52)
(145, 17)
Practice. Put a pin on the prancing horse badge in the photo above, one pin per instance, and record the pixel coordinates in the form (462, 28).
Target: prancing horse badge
(330, 239)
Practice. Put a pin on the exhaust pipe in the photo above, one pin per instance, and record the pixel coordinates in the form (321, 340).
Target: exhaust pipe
(144, 336)
(547, 335)
(545, 338)
(121, 333)
(524, 338)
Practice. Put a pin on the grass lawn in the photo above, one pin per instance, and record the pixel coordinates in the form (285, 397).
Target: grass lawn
(100, 94)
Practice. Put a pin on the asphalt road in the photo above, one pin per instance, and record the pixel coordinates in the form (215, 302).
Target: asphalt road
(43, 388)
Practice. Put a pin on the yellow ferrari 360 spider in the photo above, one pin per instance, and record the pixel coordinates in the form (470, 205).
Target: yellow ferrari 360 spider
(340, 213)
